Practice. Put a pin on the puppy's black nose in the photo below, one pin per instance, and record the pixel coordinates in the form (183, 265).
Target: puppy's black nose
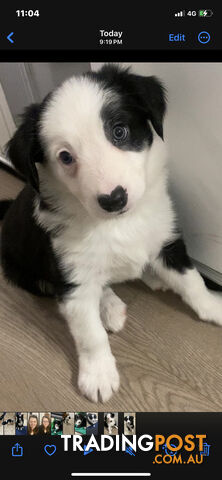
(115, 201)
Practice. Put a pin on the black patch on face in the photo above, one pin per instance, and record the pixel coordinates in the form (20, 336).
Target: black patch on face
(136, 99)
(80, 418)
(25, 148)
(174, 255)
(121, 113)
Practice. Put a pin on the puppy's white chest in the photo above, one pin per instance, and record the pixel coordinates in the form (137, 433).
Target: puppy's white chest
(109, 253)
(112, 251)
(128, 257)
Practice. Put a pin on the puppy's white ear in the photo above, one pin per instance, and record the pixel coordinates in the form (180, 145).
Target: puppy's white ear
(24, 149)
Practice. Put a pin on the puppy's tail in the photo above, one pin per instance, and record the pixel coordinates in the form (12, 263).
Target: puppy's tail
(4, 206)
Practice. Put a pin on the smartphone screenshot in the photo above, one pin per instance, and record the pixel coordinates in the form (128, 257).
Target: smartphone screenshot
(110, 241)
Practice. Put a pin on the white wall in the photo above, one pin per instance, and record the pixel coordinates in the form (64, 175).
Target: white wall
(193, 131)
(7, 126)
(26, 83)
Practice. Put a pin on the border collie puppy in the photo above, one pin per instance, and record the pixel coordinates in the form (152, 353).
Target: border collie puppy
(8, 422)
(110, 422)
(19, 421)
(92, 418)
(129, 424)
(58, 426)
(66, 418)
(80, 420)
(96, 211)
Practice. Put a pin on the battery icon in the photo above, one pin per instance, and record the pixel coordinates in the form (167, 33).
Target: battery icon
(205, 13)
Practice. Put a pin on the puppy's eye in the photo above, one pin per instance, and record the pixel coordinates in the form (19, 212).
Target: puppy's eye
(66, 158)
(120, 133)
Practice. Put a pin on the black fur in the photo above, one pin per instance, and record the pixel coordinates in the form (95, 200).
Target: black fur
(30, 262)
(139, 132)
(10, 169)
(4, 206)
(130, 425)
(174, 255)
(82, 418)
(91, 417)
(141, 99)
(25, 148)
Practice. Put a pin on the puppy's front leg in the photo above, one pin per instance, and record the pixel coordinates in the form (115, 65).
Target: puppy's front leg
(98, 375)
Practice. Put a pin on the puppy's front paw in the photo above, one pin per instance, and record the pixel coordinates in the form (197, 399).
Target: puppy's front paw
(113, 311)
(211, 309)
(98, 376)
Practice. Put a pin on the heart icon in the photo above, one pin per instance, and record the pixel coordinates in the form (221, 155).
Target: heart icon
(50, 449)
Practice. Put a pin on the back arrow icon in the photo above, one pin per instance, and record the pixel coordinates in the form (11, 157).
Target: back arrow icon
(9, 37)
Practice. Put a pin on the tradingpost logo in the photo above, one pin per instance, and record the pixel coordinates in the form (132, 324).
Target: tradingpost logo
(171, 449)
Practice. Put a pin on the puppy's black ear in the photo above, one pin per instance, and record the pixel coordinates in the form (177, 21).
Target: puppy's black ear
(151, 97)
(146, 94)
(24, 149)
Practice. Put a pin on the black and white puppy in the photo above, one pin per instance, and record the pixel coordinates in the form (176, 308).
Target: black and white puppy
(66, 418)
(92, 418)
(97, 211)
(80, 420)
(19, 424)
(8, 422)
(129, 424)
(110, 422)
(58, 425)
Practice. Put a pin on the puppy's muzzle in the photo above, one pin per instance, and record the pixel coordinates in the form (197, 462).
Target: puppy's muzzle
(114, 202)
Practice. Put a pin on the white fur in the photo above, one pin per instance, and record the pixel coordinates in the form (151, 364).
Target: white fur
(112, 311)
(98, 248)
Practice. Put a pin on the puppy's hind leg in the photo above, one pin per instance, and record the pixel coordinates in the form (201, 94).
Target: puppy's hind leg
(174, 267)
(112, 310)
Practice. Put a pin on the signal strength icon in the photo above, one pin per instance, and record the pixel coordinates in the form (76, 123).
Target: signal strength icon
(180, 14)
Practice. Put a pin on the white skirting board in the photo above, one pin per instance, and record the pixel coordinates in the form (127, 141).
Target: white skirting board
(7, 162)
(204, 270)
(208, 272)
